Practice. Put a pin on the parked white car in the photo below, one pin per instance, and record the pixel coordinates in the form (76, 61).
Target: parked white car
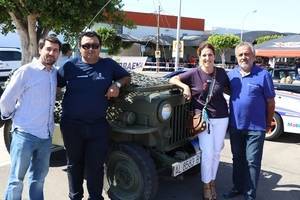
(287, 114)
(10, 59)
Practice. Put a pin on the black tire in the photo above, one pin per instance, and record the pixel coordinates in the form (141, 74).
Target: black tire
(130, 173)
(7, 134)
(277, 128)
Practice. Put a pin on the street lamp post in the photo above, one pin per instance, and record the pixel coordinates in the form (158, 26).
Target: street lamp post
(243, 22)
(177, 37)
(157, 40)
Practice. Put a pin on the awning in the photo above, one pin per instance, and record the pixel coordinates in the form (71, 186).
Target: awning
(288, 46)
(128, 38)
(163, 40)
(278, 53)
(194, 40)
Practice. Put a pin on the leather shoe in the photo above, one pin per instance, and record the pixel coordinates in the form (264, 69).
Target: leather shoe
(231, 194)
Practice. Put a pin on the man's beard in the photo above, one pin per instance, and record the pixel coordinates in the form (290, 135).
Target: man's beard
(246, 66)
(49, 60)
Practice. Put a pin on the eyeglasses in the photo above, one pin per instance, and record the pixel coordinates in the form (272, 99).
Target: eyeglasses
(89, 46)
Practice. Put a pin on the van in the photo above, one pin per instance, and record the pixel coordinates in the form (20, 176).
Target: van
(10, 59)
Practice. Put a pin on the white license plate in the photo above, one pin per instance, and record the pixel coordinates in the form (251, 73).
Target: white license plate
(180, 167)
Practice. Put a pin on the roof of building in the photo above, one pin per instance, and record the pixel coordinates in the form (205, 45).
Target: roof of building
(251, 36)
(166, 21)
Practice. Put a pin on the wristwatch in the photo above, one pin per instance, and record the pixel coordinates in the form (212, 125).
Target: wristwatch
(118, 84)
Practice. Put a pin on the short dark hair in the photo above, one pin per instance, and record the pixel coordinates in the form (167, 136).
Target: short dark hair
(65, 47)
(203, 45)
(51, 38)
(88, 34)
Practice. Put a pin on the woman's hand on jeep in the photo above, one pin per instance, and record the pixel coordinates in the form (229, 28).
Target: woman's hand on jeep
(187, 93)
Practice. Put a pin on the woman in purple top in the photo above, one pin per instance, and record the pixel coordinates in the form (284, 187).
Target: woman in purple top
(195, 84)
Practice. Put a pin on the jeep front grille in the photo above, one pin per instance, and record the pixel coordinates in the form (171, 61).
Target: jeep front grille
(178, 123)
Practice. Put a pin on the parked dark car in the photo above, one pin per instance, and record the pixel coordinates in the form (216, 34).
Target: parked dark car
(282, 70)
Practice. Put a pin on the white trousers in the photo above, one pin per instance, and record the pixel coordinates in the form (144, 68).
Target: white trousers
(211, 146)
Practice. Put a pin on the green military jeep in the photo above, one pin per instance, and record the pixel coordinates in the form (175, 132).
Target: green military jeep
(149, 134)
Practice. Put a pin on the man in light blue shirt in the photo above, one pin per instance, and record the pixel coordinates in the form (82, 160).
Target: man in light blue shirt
(29, 100)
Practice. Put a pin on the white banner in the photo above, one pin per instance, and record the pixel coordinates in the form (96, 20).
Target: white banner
(130, 62)
(180, 48)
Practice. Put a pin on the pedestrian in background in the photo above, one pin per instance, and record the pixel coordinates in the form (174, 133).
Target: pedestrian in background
(29, 101)
(66, 53)
(195, 84)
(90, 82)
(251, 111)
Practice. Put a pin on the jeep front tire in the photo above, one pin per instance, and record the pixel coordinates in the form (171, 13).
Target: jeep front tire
(130, 173)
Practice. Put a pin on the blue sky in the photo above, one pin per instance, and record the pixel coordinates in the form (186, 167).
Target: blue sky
(281, 16)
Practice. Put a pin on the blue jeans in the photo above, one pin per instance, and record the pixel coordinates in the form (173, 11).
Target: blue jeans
(31, 153)
(247, 150)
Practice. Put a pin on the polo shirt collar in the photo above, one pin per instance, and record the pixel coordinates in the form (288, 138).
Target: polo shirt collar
(253, 69)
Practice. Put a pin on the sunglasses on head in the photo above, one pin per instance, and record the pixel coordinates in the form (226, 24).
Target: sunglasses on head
(89, 46)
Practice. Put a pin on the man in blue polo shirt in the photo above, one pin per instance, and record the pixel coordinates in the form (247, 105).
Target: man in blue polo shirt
(251, 111)
(90, 82)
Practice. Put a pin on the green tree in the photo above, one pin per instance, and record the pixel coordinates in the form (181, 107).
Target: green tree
(222, 43)
(34, 19)
(111, 40)
(265, 38)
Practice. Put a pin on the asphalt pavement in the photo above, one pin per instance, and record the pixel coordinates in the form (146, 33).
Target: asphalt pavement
(279, 180)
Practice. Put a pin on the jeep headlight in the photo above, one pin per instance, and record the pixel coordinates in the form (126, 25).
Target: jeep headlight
(164, 111)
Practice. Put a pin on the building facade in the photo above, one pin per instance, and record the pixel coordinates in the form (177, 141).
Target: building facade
(149, 26)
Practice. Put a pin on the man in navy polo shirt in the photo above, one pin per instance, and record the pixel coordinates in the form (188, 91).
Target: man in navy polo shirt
(251, 111)
(90, 82)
